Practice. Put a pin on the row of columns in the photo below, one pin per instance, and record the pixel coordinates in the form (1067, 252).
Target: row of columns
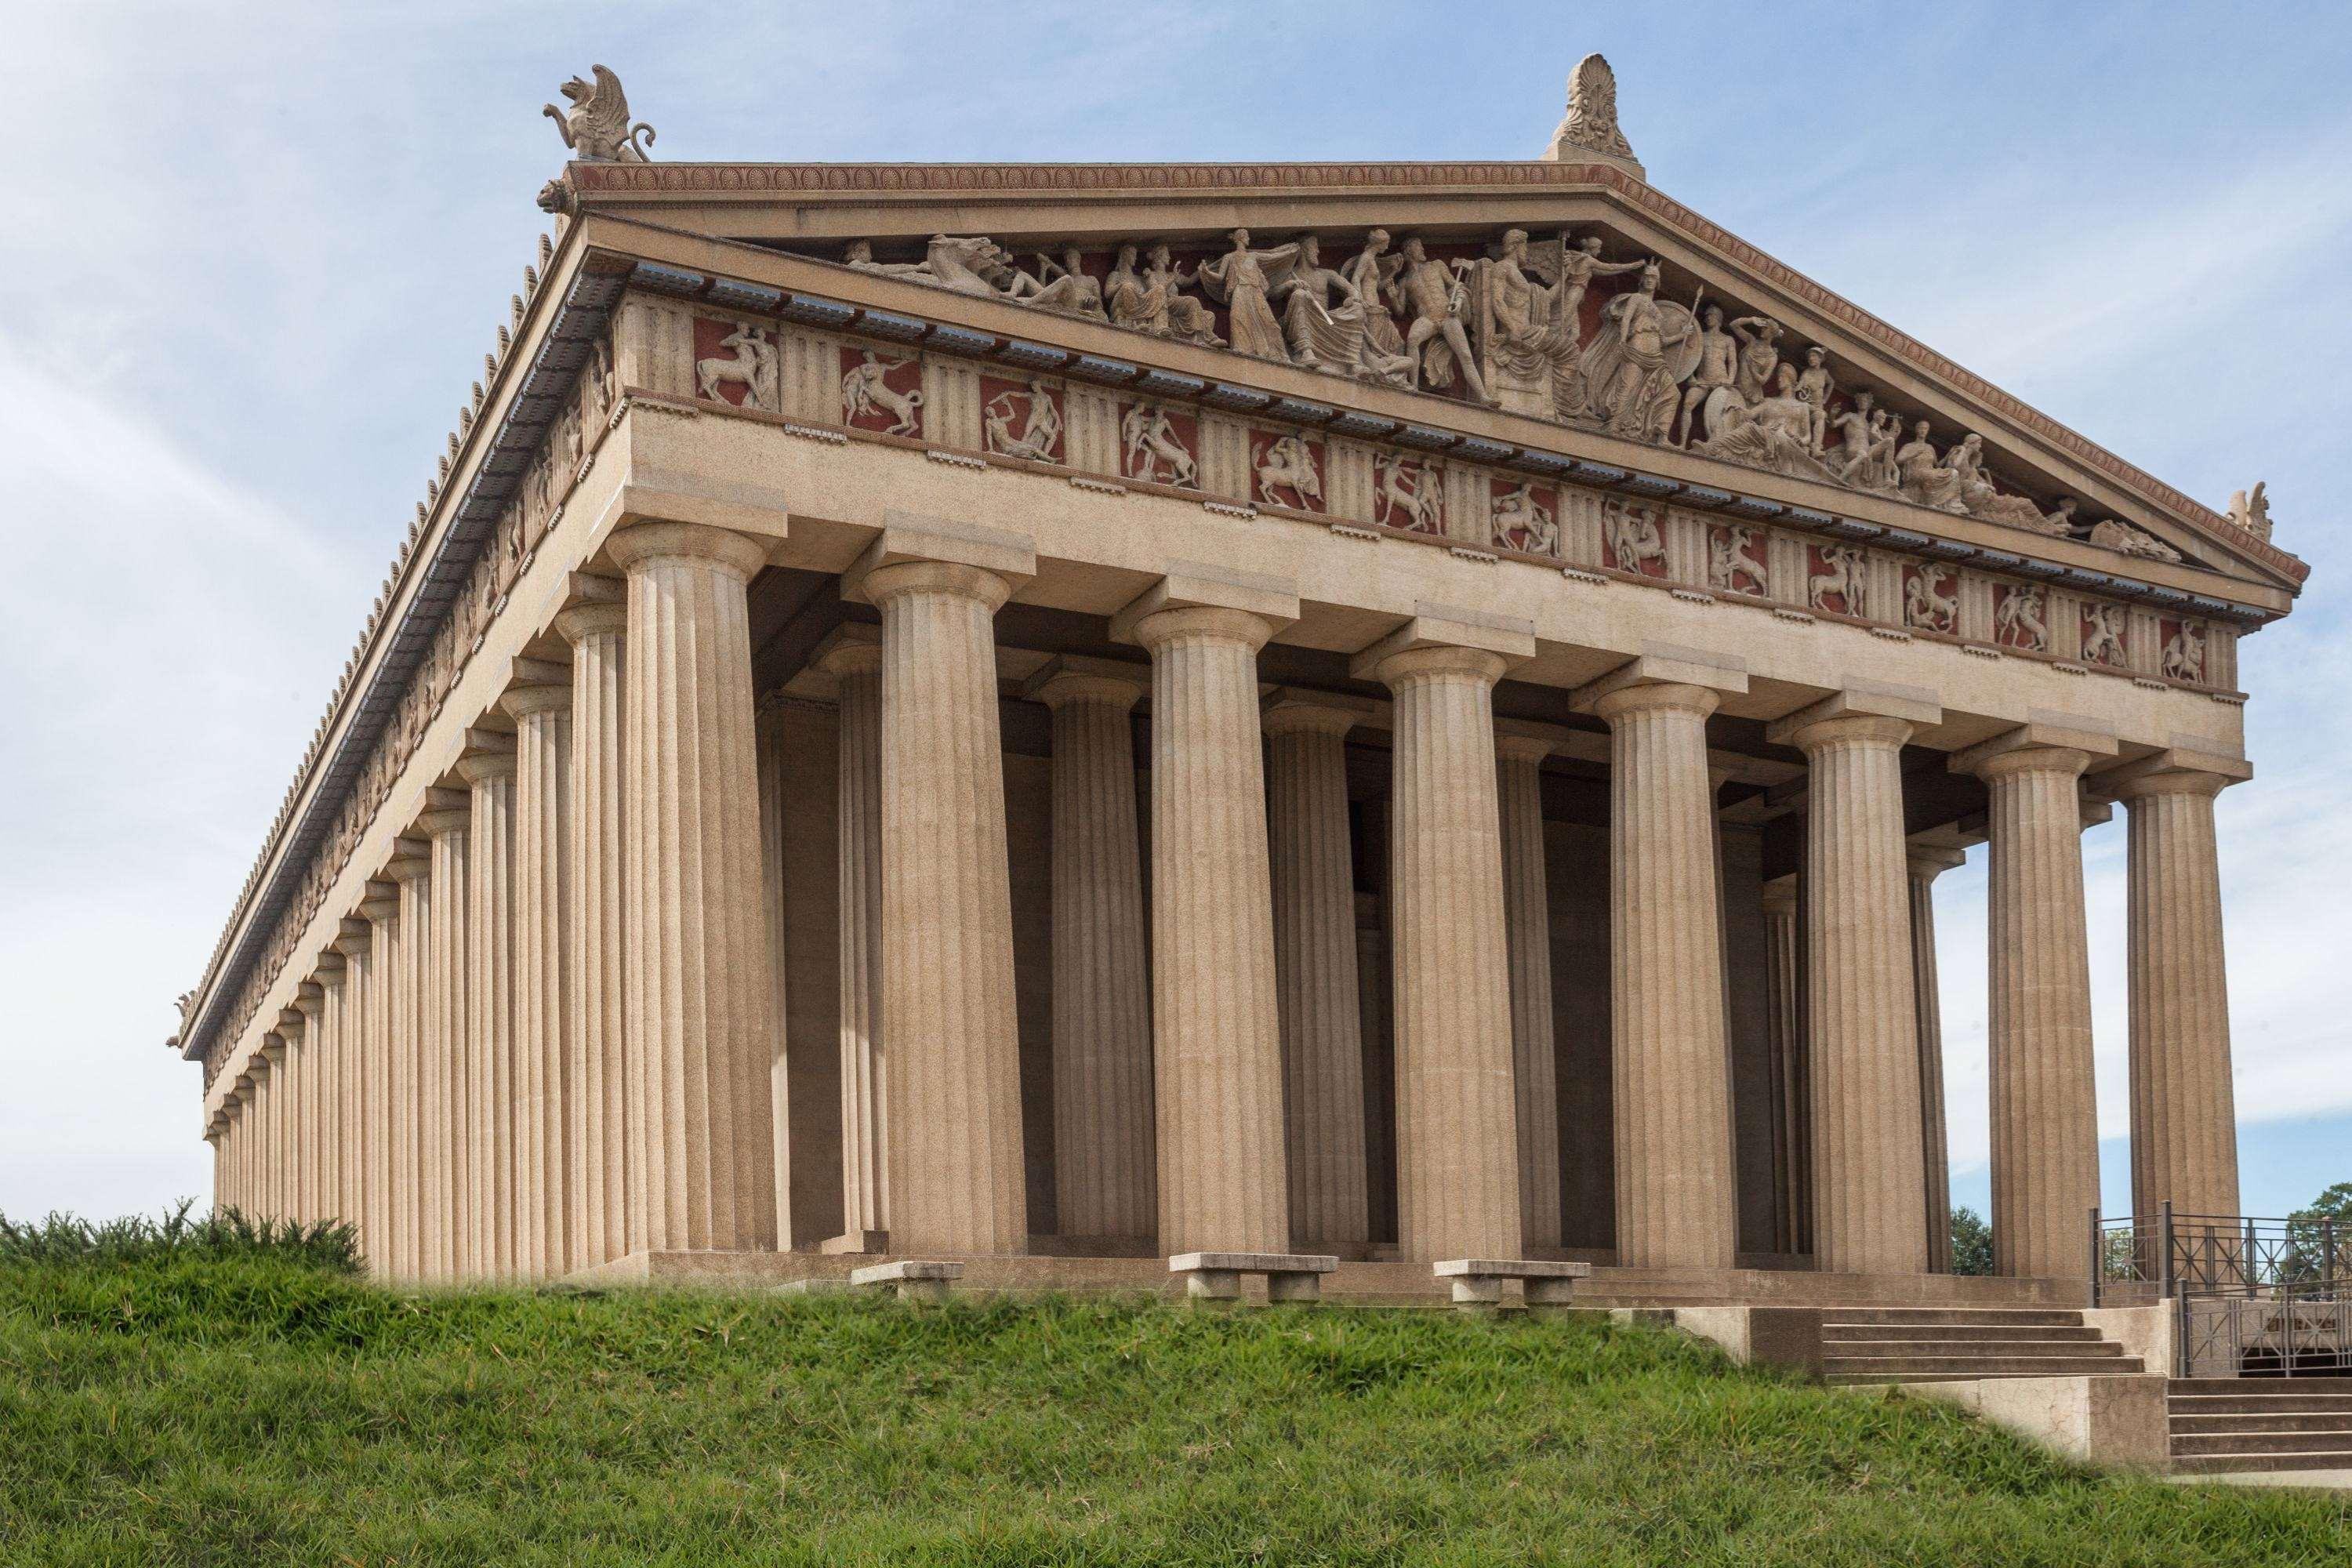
(547, 1034)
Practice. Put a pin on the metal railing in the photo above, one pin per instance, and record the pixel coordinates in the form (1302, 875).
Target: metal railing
(2251, 1296)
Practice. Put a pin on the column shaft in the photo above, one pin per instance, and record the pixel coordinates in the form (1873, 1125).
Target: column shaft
(2184, 1136)
(1527, 910)
(1317, 980)
(1457, 1106)
(697, 934)
(411, 1074)
(1925, 866)
(543, 866)
(1867, 1139)
(447, 1177)
(864, 1070)
(1105, 1160)
(601, 1101)
(1217, 1040)
(1672, 1093)
(2046, 1134)
(378, 1110)
(956, 1180)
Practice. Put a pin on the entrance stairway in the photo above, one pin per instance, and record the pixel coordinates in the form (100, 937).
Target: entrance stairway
(2225, 1423)
(1946, 1344)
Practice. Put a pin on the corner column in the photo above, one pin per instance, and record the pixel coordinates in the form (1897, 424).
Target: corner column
(1925, 863)
(1458, 1158)
(2045, 1111)
(1868, 1136)
(957, 1182)
(2184, 1133)
(1317, 980)
(1670, 1063)
(697, 932)
(601, 1101)
(1104, 1152)
(1217, 1024)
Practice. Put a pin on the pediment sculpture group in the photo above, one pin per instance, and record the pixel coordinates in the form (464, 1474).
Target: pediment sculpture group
(1510, 330)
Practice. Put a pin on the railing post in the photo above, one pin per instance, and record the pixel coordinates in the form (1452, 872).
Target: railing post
(2327, 1257)
(2164, 1276)
(2098, 1254)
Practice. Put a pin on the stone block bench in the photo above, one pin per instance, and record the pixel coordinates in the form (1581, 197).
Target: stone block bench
(1217, 1275)
(1478, 1281)
(908, 1279)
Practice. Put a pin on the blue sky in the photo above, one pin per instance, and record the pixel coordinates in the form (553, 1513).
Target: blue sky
(253, 257)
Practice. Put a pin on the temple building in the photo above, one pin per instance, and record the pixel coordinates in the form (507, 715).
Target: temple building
(1061, 715)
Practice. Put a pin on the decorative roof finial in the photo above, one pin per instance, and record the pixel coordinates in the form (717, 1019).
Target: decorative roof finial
(1591, 133)
(596, 127)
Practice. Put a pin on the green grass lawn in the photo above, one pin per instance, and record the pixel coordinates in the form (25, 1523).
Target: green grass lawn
(252, 1405)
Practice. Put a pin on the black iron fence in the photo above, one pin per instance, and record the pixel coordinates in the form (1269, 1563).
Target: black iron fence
(2251, 1296)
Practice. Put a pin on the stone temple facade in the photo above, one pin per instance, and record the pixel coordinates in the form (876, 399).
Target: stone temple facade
(1059, 715)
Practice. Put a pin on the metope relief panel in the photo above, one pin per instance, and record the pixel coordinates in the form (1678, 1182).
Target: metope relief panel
(2020, 616)
(1160, 443)
(882, 392)
(1931, 597)
(1287, 469)
(1024, 418)
(2187, 653)
(1837, 580)
(951, 403)
(737, 363)
(1524, 515)
(2105, 639)
(1633, 538)
(1738, 560)
(1408, 493)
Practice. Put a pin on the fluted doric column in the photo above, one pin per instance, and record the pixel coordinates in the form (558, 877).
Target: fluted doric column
(270, 1102)
(1105, 1175)
(1671, 1070)
(307, 1075)
(2184, 1134)
(2044, 1110)
(447, 824)
(1527, 910)
(601, 1101)
(1317, 982)
(1868, 1142)
(381, 910)
(854, 662)
(1216, 1024)
(355, 940)
(1925, 863)
(410, 870)
(1784, 981)
(488, 767)
(698, 940)
(540, 701)
(1457, 1103)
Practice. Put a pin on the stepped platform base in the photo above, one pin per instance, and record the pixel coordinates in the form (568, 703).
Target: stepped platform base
(1356, 1282)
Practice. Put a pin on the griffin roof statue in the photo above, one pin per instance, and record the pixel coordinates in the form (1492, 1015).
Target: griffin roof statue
(597, 127)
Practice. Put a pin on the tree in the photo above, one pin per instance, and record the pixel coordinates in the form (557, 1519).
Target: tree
(1971, 1243)
(2313, 1232)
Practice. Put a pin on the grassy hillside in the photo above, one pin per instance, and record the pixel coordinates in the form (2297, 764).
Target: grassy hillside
(248, 1404)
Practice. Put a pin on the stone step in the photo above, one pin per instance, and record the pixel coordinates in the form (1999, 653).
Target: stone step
(1957, 1368)
(1956, 1333)
(2259, 1404)
(2262, 1421)
(1941, 1348)
(2228, 1464)
(2185, 1445)
(2044, 1317)
(2340, 1387)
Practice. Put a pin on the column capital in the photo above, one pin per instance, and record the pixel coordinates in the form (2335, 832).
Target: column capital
(1076, 678)
(410, 860)
(738, 554)
(486, 755)
(536, 685)
(1780, 896)
(594, 605)
(444, 811)
(1666, 677)
(1447, 630)
(1516, 746)
(353, 935)
(2040, 745)
(326, 970)
(1926, 862)
(1271, 601)
(380, 900)
(1290, 710)
(851, 648)
(272, 1050)
(958, 557)
(1861, 711)
(2176, 770)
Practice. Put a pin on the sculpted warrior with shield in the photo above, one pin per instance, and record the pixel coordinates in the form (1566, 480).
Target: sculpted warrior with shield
(1646, 350)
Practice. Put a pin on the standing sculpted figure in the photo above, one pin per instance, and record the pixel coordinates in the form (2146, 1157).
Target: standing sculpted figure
(2017, 620)
(1242, 280)
(2103, 634)
(1732, 566)
(753, 367)
(1718, 361)
(1634, 537)
(1815, 389)
(1865, 450)
(1289, 465)
(1931, 599)
(1433, 291)
(1759, 355)
(1647, 348)
(1370, 275)
(1841, 576)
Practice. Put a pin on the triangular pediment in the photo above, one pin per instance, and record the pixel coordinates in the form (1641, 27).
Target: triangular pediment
(1009, 232)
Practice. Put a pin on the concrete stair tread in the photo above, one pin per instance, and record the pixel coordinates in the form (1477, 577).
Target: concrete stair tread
(2263, 1443)
(1971, 1347)
(2046, 1317)
(2314, 1421)
(2214, 1464)
(1956, 1333)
